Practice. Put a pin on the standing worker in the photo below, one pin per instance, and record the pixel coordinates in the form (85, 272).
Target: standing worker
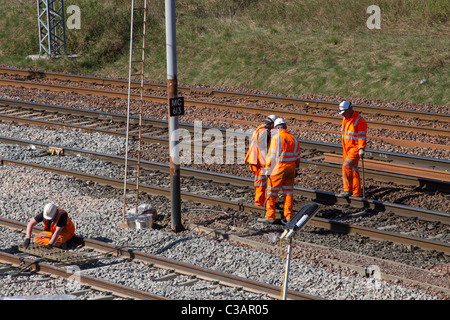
(282, 163)
(354, 142)
(256, 157)
(58, 228)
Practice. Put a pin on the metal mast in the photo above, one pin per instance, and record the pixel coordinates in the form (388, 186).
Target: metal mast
(52, 27)
(172, 92)
(136, 71)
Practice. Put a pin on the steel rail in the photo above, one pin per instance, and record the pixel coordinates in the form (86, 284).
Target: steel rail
(253, 110)
(99, 284)
(382, 176)
(320, 146)
(223, 93)
(394, 168)
(383, 139)
(162, 124)
(314, 195)
(225, 178)
(206, 175)
(82, 112)
(179, 267)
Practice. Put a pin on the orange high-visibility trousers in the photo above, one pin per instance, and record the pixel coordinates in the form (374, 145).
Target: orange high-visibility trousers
(282, 180)
(68, 232)
(350, 172)
(256, 157)
(44, 237)
(260, 184)
(353, 133)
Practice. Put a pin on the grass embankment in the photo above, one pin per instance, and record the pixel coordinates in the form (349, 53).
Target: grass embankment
(284, 46)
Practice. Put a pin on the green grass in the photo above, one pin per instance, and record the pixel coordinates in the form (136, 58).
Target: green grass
(282, 46)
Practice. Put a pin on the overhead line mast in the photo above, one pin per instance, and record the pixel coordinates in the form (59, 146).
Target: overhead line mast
(172, 92)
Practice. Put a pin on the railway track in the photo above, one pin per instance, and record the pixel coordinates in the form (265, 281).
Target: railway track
(158, 132)
(29, 116)
(248, 109)
(54, 116)
(316, 195)
(235, 234)
(31, 74)
(313, 195)
(155, 131)
(175, 267)
(94, 283)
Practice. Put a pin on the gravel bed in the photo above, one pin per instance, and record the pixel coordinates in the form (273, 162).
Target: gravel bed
(101, 222)
(310, 178)
(97, 211)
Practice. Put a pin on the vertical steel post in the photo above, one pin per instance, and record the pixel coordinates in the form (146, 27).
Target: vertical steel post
(141, 75)
(286, 272)
(363, 179)
(125, 179)
(172, 92)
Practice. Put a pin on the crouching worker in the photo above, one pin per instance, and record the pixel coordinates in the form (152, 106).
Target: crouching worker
(58, 228)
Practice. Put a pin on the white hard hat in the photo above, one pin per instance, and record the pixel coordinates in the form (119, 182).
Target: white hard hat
(279, 121)
(49, 211)
(344, 106)
(272, 118)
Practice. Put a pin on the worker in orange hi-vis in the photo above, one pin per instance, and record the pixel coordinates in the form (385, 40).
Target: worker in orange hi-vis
(354, 142)
(256, 157)
(58, 228)
(282, 163)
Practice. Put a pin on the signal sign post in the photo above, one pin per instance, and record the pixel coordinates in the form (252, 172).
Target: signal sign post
(174, 112)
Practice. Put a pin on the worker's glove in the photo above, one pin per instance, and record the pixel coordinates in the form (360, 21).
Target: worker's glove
(49, 246)
(264, 171)
(361, 153)
(26, 243)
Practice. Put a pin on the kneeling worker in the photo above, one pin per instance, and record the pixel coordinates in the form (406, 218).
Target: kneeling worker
(58, 228)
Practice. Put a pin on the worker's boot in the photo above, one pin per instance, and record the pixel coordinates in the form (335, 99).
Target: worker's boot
(345, 194)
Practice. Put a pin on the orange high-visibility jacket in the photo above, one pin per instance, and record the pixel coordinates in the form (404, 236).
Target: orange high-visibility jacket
(284, 149)
(50, 225)
(256, 154)
(353, 132)
(283, 158)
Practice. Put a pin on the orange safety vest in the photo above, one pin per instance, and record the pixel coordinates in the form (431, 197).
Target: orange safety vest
(353, 132)
(256, 154)
(50, 225)
(67, 233)
(283, 158)
(284, 150)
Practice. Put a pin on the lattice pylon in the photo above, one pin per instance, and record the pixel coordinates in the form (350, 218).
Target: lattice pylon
(52, 27)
